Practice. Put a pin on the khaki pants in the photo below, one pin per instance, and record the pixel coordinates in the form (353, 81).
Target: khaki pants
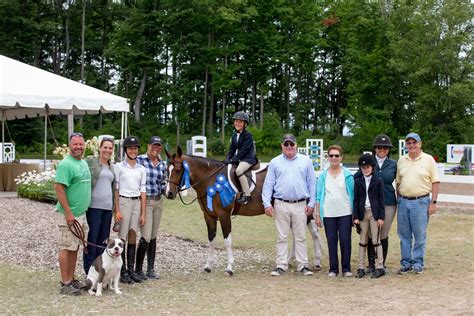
(130, 210)
(241, 168)
(291, 216)
(369, 223)
(154, 210)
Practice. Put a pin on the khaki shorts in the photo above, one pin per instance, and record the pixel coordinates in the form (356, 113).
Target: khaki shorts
(67, 240)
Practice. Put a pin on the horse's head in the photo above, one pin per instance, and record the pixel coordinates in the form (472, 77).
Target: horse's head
(175, 173)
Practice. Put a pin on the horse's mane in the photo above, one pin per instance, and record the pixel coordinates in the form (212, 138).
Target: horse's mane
(211, 162)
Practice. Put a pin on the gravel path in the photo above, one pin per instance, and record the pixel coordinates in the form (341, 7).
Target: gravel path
(29, 238)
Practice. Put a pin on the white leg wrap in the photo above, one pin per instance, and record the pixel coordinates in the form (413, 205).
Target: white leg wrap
(211, 256)
(230, 254)
(314, 231)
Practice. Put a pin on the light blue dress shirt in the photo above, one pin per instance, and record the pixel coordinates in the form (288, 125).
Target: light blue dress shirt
(290, 179)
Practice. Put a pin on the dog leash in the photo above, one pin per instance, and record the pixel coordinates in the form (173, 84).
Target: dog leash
(77, 230)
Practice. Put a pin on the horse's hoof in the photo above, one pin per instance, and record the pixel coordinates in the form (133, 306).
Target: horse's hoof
(208, 270)
(229, 272)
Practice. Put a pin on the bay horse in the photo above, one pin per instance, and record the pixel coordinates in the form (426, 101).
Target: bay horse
(202, 174)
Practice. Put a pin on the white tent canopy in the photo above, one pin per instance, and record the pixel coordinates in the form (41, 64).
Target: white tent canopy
(27, 91)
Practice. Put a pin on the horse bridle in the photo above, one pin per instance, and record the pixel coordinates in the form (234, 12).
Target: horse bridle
(179, 190)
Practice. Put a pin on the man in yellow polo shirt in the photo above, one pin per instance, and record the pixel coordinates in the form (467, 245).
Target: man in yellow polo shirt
(417, 176)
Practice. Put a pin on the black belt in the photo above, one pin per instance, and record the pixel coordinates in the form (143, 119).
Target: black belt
(291, 201)
(154, 197)
(415, 197)
(131, 197)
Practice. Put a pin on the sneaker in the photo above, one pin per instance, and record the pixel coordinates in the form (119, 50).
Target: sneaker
(360, 273)
(69, 289)
(347, 274)
(317, 267)
(278, 272)
(78, 285)
(404, 270)
(306, 272)
(418, 270)
(332, 274)
(378, 273)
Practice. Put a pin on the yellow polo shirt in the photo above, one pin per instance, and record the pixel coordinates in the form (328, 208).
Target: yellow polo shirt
(414, 177)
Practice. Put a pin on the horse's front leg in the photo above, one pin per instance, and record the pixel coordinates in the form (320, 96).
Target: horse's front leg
(211, 223)
(226, 226)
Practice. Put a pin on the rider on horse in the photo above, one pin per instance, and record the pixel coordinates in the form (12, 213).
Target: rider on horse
(242, 153)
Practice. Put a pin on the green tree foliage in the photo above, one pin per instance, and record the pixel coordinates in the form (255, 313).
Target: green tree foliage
(309, 67)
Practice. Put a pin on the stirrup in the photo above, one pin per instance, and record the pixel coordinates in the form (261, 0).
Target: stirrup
(244, 199)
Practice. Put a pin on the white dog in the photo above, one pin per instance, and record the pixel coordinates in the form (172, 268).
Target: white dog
(105, 270)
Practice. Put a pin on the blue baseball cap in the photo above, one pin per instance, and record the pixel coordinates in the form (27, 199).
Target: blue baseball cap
(415, 136)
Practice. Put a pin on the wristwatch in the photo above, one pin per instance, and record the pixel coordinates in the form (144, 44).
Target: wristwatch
(434, 201)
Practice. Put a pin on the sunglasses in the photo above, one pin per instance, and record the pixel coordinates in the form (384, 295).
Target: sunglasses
(410, 143)
(289, 144)
(334, 156)
(76, 134)
(381, 147)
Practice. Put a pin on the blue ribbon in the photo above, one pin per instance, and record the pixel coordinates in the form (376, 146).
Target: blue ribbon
(185, 179)
(225, 191)
(211, 191)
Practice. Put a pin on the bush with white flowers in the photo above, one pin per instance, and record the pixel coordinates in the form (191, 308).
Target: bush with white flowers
(37, 186)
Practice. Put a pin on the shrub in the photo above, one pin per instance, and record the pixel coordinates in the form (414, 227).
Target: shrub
(37, 186)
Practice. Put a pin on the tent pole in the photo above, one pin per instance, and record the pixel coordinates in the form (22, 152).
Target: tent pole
(3, 136)
(70, 124)
(45, 139)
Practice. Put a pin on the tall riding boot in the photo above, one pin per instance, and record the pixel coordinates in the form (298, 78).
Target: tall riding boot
(124, 276)
(150, 256)
(384, 249)
(131, 262)
(370, 256)
(142, 246)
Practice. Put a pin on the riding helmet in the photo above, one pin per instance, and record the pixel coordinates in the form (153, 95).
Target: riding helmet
(383, 141)
(367, 160)
(241, 115)
(131, 141)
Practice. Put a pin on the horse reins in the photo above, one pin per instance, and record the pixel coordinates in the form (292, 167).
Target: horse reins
(77, 230)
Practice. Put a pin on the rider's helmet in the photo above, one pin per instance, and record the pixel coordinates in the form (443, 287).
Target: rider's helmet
(131, 141)
(367, 160)
(241, 115)
(383, 141)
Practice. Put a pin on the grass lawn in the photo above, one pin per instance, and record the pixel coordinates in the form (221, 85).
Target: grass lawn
(444, 288)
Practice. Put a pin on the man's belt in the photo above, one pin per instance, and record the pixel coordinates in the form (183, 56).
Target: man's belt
(291, 201)
(154, 197)
(130, 197)
(414, 197)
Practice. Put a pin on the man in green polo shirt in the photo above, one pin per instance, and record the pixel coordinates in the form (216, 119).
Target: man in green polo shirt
(73, 190)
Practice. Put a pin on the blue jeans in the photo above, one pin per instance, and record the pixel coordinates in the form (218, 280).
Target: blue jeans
(99, 222)
(413, 220)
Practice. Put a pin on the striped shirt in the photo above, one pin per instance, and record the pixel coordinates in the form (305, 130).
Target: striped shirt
(155, 175)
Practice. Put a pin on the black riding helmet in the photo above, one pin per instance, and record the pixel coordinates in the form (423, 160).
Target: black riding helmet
(367, 160)
(382, 140)
(130, 141)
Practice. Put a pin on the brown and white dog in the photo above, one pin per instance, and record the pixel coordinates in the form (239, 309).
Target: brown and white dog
(105, 270)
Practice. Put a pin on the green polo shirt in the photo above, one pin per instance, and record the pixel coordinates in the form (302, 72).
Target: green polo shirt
(75, 176)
